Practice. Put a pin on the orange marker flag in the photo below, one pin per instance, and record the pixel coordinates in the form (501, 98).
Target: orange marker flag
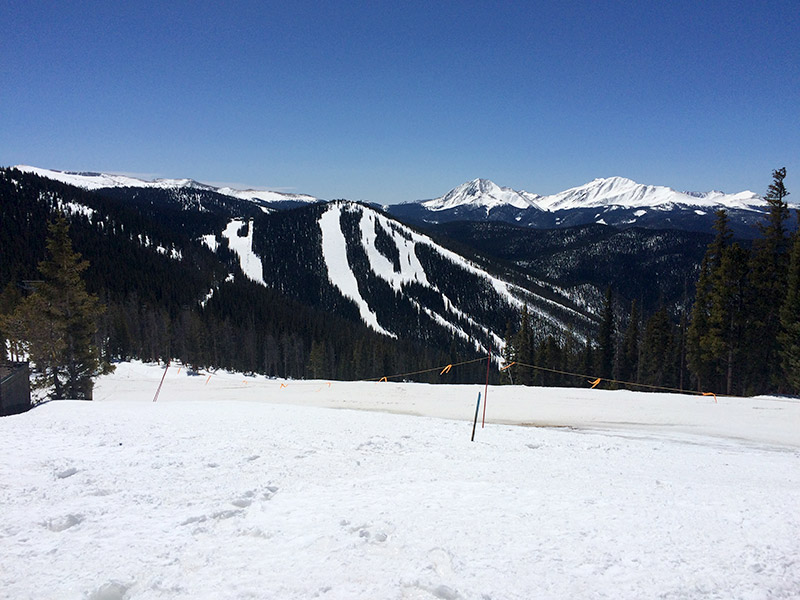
(595, 382)
(711, 394)
(446, 369)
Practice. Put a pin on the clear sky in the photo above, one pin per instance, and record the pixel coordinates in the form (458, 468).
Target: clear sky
(395, 101)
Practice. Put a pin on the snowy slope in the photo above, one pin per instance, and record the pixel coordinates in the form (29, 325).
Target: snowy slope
(94, 181)
(267, 196)
(236, 487)
(249, 261)
(407, 274)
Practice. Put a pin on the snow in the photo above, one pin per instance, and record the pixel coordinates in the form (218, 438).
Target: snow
(73, 208)
(610, 192)
(266, 196)
(173, 253)
(95, 181)
(334, 248)
(411, 269)
(210, 240)
(622, 192)
(334, 252)
(239, 487)
(243, 247)
(482, 193)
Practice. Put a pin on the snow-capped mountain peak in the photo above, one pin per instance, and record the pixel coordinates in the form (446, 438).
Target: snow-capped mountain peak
(626, 193)
(482, 193)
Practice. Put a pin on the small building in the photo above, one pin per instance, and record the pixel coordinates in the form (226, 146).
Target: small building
(15, 388)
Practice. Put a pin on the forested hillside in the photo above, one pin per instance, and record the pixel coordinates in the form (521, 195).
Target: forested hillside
(169, 295)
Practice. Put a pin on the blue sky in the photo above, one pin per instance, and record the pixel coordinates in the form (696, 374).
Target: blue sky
(396, 101)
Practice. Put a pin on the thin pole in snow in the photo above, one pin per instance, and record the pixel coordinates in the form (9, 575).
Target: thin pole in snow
(486, 391)
(475, 422)
(158, 391)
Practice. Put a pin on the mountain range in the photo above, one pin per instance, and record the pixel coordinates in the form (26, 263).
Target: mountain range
(614, 201)
(264, 287)
(446, 275)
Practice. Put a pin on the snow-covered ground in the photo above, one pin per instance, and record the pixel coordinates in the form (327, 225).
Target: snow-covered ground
(239, 487)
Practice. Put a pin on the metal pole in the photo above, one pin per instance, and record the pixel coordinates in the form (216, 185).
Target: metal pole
(158, 391)
(486, 391)
(475, 422)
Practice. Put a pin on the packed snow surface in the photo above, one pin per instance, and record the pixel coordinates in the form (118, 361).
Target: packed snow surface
(245, 487)
(334, 253)
(408, 270)
(243, 247)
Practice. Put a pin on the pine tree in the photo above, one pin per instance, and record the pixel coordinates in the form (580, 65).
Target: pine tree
(790, 319)
(768, 272)
(317, 360)
(728, 317)
(61, 320)
(508, 354)
(701, 363)
(605, 342)
(10, 298)
(523, 348)
(629, 352)
(658, 351)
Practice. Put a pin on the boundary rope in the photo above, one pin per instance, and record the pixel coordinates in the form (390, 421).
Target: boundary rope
(442, 370)
(595, 381)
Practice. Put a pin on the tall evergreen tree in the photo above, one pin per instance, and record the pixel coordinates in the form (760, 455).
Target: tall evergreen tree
(629, 352)
(728, 317)
(523, 348)
(658, 351)
(768, 272)
(10, 298)
(61, 320)
(508, 354)
(605, 350)
(701, 362)
(790, 319)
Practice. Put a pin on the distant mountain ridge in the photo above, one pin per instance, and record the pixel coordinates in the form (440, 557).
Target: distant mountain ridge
(613, 201)
(94, 181)
(602, 192)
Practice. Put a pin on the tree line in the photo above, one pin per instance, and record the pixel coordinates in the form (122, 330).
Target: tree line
(741, 335)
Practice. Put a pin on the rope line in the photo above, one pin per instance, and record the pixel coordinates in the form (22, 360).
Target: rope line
(441, 369)
(596, 380)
